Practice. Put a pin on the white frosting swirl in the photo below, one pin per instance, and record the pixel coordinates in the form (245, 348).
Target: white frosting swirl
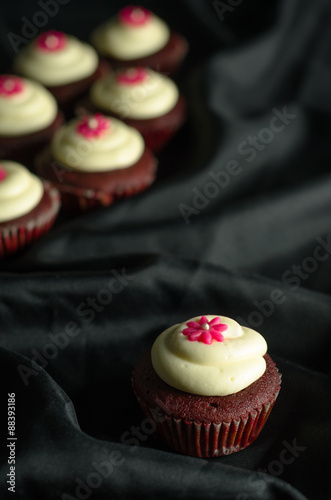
(26, 112)
(153, 97)
(20, 191)
(115, 39)
(77, 60)
(119, 147)
(218, 369)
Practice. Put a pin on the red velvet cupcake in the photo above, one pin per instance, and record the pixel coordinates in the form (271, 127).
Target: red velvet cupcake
(137, 37)
(95, 160)
(143, 99)
(29, 116)
(28, 207)
(209, 386)
(65, 65)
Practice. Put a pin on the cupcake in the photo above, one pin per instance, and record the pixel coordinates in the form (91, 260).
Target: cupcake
(95, 160)
(208, 384)
(28, 207)
(137, 37)
(65, 65)
(143, 99)
(29, 116)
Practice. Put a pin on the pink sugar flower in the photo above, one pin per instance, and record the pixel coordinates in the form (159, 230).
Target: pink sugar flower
(52, 41)
(3, 173)
(133, 15)
(132, 76)
(10, 85)
(93, 126)
(205, 331)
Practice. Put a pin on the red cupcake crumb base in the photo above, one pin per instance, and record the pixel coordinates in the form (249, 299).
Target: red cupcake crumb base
(206, 426)
(18, 233)
(167, 60)
(23, 148)
(81, 191)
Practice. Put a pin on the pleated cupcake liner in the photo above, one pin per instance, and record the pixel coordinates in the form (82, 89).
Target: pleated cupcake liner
(82, 200)
(156, 140)
(158, 132)
(16, 237)
(201, 439)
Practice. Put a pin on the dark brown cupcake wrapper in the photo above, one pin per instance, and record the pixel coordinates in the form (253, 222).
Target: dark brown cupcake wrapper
(202, 439)
(15, 237)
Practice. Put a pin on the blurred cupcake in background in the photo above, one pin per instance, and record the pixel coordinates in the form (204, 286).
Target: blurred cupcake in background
(29, 116)
(137, 37)
(28, 207)
(94, 160)
(143, 99)
(65, 65)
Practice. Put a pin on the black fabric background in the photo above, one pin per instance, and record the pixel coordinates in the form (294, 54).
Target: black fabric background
(232, 256)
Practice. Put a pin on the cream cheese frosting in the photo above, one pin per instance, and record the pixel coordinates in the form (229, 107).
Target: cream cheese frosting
(148, 96)
(216, 369)
(25, 109)
(127, 40)
(64, 63)
(97, 144)
(20, 191)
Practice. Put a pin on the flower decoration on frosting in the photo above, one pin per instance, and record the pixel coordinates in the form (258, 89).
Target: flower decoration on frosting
(135, 16)
(205, 331)
(3, 173)
(132, 76)
(51, 41)
(93, 126)
(10, 85)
